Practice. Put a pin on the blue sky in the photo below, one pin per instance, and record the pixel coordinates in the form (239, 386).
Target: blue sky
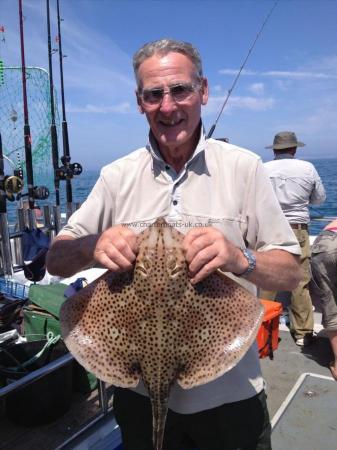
(289, 81)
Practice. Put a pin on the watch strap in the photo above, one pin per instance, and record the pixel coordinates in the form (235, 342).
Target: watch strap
(251, 263)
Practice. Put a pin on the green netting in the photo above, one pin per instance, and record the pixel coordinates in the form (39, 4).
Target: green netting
(12, 121)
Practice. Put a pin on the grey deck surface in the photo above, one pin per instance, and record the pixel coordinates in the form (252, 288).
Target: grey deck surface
(105, 435)
(309, 421)
(290, 361)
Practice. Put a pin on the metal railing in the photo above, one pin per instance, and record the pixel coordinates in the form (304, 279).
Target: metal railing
(48, 369)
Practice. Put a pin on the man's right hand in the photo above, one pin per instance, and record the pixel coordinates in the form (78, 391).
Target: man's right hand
(116, 249)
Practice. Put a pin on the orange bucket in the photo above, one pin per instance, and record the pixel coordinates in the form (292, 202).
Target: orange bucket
(268, 334)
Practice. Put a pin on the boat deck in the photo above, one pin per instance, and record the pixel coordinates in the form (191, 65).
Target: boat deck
(290, 362)
(311, 405)
(281, 374)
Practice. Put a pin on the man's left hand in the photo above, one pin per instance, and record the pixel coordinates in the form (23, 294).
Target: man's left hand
(207, 250)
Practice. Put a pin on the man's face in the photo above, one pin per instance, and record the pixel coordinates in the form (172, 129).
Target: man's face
(173, 121)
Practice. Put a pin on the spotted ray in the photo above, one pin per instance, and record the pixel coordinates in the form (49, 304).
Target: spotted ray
(151, 323)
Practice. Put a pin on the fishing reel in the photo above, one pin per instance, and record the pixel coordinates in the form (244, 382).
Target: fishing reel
(39, 193)
(68, 170)
(13, 185)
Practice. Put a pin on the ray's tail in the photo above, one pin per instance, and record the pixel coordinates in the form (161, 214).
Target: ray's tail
(159, 403)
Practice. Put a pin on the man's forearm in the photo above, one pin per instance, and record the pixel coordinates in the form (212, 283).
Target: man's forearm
(68, 256)
(276, 270)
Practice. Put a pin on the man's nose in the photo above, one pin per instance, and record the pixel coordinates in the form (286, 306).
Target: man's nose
(168, 104)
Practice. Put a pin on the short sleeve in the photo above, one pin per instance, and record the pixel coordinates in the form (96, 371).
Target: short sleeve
(97, 213)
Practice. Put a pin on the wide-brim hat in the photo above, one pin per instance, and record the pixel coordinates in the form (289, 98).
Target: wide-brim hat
(285, 139)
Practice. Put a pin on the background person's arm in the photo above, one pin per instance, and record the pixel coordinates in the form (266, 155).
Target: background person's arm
(318, 194)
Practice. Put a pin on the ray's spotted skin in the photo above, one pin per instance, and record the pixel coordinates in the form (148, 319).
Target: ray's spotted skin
(152, 323)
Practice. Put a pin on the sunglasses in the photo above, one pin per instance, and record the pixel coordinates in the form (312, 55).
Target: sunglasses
(178, 92)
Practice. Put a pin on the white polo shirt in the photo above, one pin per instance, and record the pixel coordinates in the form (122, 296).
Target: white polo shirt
(297, 185)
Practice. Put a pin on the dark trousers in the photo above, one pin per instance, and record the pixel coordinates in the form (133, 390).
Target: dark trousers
(242, 425)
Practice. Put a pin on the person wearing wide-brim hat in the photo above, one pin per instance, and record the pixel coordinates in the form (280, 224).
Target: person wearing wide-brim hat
(285, 140)
(297, 185)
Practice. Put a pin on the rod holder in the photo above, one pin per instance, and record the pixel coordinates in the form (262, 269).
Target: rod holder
(6, 254)
(22, 222)
(21, 225)
(72, 207)
(47, 216)
(31, 219)
(103, 396)
(47, 221)
(57, 218)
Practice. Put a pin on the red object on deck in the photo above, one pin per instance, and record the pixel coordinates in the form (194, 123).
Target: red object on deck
(268, 334)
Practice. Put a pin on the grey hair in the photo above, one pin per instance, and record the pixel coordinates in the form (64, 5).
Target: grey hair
(163, 47)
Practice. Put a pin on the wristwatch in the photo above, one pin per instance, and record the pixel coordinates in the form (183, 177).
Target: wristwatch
(251, 263)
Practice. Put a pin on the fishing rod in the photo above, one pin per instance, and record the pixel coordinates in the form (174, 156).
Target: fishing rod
(6, 255)
(211, 131)
(68, 170)
(3, 208)
(27, 136)
(53, 131)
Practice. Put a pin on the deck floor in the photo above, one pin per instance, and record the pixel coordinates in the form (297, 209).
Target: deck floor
(290, 361)
(310, 406)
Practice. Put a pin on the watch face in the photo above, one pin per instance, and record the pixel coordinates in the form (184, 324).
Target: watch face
(251, 262)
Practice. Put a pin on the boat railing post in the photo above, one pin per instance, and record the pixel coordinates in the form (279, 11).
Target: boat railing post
(47, 221)
(20, 212)
(31, 219)
(57, 218)
(103, 396)
(21, 225)
(6, 254)
(69, 210)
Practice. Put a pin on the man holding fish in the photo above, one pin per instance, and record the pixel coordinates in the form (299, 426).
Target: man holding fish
(219, 196)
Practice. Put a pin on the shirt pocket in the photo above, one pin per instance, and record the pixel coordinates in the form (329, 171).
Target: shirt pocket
(230, 226)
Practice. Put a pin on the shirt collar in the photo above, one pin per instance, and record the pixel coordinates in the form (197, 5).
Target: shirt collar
(155, 152)
(284, 156)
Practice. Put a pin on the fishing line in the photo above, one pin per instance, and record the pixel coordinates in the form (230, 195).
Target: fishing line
(211, 131)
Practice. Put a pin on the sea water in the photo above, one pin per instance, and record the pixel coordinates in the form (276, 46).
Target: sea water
(327, 169)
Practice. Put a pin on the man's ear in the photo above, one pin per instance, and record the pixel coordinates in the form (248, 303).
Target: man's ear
(139, 103)
(204, 91)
